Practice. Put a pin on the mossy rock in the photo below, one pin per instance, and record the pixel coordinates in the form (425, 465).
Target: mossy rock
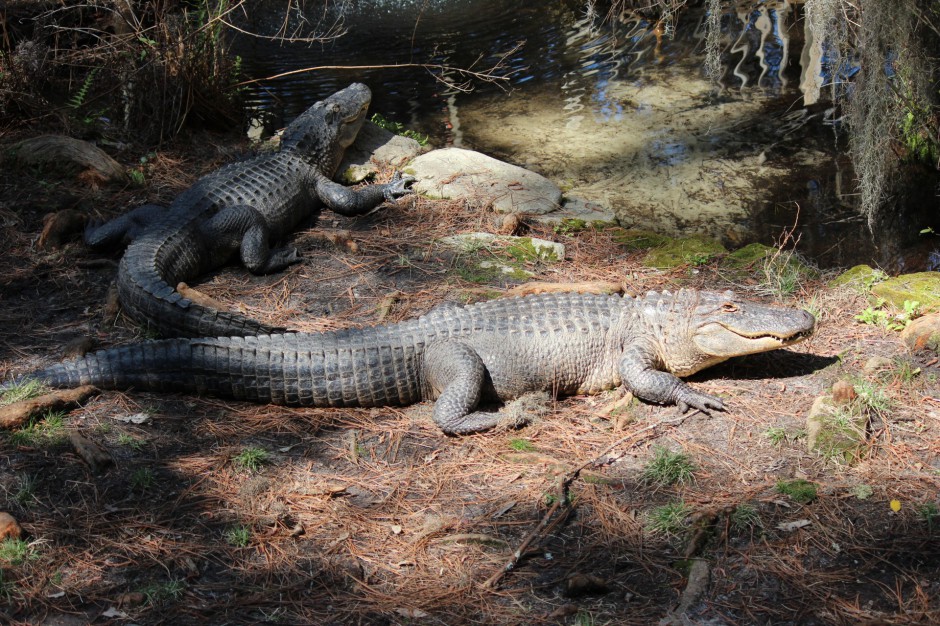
(487, 272)
(634, 239)
(520, 249)
(525, 249)
(772, 259)
(686, 251)
(922, 287)
(861, 278)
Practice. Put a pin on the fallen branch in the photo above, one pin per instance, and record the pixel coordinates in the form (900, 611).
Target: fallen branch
(488, 75)
(97, 458)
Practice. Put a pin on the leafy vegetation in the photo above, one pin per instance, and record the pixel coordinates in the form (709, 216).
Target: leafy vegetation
(877, 316)
(142, 479)
(159, 593)
(398, 129)
(745, 517)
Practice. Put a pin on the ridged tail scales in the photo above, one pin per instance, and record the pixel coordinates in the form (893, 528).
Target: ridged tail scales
(295, 369)
(147, 276)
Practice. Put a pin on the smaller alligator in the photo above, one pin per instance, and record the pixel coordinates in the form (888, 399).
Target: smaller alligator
(239, 209)
(497, 350)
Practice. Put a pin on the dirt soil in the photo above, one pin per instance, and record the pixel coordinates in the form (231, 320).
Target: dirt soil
(220, 512)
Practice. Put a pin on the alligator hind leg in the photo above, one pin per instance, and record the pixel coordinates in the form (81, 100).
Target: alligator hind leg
(123, 229)
(244, 229)
(457, 373)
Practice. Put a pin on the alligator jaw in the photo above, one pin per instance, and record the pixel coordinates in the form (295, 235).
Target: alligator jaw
(718, 339)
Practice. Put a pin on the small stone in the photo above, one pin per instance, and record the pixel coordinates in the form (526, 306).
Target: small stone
(61, 227)
(9, 527)
(509, 224)
(80, 346)
(876, 363)
(131, 599)
(585, 584)
(923, 333)
(843, 392)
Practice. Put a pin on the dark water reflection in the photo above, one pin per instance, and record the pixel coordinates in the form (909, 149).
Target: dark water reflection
(608, 107)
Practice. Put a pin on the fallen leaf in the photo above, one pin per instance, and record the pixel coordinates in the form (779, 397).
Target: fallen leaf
(796, 525)
(136, 418)
(413, 613)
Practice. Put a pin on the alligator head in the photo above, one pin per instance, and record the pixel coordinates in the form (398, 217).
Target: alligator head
(699, 329)
(322, 133)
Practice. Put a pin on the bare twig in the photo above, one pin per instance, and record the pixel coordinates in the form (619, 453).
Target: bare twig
(489, 75)
(566, 504)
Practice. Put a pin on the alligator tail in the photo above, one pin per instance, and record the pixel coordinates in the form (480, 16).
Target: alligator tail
(147, 272)
(151, 365)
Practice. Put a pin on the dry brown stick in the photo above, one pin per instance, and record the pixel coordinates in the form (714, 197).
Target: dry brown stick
(563, 502)
(97, 458)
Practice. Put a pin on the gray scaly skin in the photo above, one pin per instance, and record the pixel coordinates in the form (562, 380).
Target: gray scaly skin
(560, 343)
(239, 209)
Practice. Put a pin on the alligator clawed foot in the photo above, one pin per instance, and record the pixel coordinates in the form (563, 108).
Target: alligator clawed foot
(280, 259)
(701, 401)
(399, 186)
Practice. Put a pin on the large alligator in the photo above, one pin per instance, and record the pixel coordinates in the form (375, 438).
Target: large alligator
(239, 208)
(499, 350)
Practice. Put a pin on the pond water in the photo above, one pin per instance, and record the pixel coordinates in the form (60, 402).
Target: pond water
(618, 112)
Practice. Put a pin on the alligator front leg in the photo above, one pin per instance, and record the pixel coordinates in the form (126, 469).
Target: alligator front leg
(348, 201)
(123, 229)
(244, 229)
(647, 383)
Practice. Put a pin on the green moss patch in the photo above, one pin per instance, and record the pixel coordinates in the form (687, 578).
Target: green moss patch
(860, 278)
(686, 251)
(922, 287)
(635, 239)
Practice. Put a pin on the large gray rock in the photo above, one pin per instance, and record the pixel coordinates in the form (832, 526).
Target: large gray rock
(454, 173)
(376, 146)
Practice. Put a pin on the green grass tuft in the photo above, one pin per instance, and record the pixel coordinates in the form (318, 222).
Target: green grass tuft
(251, 459)
(48, 430)
(238, 536)
(16, 551)
(521, 445)
(22, 391)
(669, 468)
(142, 479)
(669, 519)
(799, 490)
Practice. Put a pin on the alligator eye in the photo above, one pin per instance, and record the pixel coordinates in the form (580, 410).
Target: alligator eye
(729, 307)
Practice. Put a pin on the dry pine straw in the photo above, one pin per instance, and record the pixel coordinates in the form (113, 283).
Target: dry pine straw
(372, 516)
